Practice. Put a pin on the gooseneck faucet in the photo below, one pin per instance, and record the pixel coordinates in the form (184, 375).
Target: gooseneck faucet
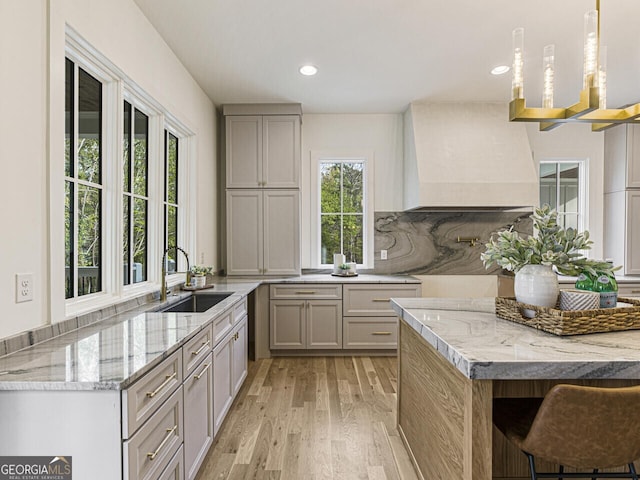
(163, 283)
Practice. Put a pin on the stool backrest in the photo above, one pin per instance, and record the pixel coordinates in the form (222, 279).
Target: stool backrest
(587, 427)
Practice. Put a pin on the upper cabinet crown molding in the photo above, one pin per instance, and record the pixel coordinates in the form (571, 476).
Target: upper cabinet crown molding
(262, 109)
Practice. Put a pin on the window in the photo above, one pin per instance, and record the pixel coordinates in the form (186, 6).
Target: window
(343, 213)
(135, 194)
(83, 182)
(171, 198)
(562, 186)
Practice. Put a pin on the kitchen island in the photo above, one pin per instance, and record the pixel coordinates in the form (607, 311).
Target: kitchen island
(455, 356)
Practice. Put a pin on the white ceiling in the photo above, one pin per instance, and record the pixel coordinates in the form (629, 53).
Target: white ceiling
(376, 56)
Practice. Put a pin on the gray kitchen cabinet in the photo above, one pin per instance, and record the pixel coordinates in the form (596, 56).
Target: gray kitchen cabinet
(263, 232)
(240, 354)
(222, 381)
(368, 320)
(622, 197)
(622, 229)
(262, 151)
(622, 158)
(305, 316)
(198, 415)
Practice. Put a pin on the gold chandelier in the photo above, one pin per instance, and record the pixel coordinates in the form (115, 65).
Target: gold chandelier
(592, 106)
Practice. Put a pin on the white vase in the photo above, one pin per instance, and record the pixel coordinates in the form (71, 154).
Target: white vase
(537, 285)
(198, 281)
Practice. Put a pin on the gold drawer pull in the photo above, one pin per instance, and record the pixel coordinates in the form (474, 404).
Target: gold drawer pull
(635, 291)
(305, 292)
(380, 333)
(206, 367)
(204, 345)
(170, 431)
(381, 299)
(164, 384)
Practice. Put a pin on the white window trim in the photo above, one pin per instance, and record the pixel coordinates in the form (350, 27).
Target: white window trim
(117, 86)
(583, 186)
(367, 157)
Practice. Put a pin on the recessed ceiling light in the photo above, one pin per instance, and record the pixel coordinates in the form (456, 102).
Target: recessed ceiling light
(308, 70)
(500, 70)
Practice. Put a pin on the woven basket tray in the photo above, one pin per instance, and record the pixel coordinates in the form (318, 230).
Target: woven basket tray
(576, 322)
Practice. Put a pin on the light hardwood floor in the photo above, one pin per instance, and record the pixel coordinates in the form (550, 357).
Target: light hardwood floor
(312, 418)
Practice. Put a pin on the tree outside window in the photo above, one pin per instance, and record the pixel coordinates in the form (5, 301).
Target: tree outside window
(341, 210)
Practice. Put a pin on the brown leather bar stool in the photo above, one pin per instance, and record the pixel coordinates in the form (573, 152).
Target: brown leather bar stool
(574, 426)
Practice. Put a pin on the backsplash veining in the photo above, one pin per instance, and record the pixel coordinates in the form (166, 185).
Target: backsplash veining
(425, 243)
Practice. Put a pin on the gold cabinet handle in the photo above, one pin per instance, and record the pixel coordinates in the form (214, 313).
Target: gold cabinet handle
(635, 291)
(164, 384)
(381, 299)
(305, 292)
(170, 431)
(204, 345)
(206, 367)
(380, 333)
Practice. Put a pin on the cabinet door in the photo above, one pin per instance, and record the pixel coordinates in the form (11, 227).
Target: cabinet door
(324, 324)
(222, 381)
(244, 232)
(632, 244)
(281, 232)
(240, 339)
(244, 151)
(633, 157)
(281, 151)
(287, 324)
(198, 416)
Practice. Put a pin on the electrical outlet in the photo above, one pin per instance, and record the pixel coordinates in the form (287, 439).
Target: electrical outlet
(24, 287)
(383, 254)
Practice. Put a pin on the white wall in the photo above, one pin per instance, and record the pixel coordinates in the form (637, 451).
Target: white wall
(381, 133)
(577, 141)
(32, 103)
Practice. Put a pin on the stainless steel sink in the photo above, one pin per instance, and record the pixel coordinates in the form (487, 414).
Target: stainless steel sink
(198, 303)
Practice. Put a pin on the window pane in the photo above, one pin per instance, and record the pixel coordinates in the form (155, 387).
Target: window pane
(568, 220)
(139, 240)
(548, 185)
(568, 201)
(68, 239)
(68, 118)
(89, 127)
(352, 187)
(89, 240)
(330, 188)
(172, 168)
(126, 148)
(172, 237)
(141, 132)
(330, 237)
(352, 234)
(126, 234)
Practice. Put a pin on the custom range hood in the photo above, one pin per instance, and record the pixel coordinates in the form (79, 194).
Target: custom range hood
(466, 157)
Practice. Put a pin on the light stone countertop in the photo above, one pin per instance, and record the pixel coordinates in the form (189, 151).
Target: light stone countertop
(114, 353)
(482, 346)
(111, 354)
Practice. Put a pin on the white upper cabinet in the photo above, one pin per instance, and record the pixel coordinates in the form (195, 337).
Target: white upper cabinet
(263, 151)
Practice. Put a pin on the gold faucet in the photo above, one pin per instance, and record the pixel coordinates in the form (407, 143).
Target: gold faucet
(163, 283)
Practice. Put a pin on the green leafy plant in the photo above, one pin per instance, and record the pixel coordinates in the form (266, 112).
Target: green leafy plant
(200, 270)
(553, 245)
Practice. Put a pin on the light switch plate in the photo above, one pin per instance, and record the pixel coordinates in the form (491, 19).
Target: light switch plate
(383, 254)
(24, 287)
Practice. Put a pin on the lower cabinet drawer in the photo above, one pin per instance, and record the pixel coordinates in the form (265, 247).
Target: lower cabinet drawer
(378, 333)
(175, 469)
(222, 325)
(142, 398)
(152, 447)
(628, 290)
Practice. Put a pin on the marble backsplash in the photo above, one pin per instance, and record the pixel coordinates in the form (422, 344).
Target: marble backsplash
(426, 243)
